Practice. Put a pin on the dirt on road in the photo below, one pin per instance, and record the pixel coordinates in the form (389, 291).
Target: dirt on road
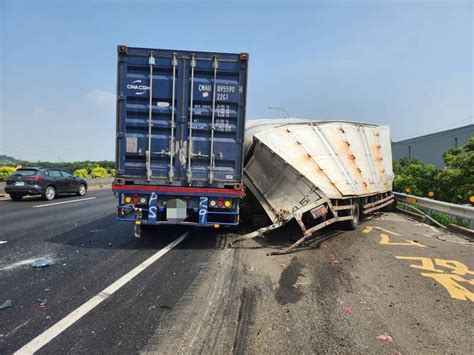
(391, 286)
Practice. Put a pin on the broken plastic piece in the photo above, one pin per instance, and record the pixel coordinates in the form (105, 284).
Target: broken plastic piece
(385, 337)
(347, 309)
(43, 303)
(6, 304)
(41, 263)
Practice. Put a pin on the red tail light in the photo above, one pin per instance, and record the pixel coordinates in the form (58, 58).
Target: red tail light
(135, 199)
(37, 178)
(220, 203)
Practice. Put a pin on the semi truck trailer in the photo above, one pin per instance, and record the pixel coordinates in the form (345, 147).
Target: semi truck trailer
(179, 136)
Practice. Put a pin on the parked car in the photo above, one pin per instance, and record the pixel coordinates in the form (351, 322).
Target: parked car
(47, 182)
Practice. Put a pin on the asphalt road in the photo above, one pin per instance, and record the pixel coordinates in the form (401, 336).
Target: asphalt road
(393, 285)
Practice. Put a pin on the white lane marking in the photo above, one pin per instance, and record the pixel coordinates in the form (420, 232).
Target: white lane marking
(61, 203)
(51, 333)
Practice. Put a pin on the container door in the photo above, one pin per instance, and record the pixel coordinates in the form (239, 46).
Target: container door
(212, 130)
(151, 117)
(181, 117)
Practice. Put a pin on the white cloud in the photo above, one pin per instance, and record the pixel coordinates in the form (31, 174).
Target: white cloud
(101, 97)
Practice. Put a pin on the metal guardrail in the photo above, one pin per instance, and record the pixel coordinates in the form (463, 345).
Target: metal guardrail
(465, 212)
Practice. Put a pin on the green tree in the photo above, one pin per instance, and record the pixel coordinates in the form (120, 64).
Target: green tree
(455, 183)
(414, 175)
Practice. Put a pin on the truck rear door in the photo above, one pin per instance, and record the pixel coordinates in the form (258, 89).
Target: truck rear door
(185, 125)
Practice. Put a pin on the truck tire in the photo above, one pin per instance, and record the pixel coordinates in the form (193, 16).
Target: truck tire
(354, 222)
(16, 197)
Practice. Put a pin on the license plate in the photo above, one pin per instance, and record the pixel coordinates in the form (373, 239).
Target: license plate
(19, 183)
(176, 210)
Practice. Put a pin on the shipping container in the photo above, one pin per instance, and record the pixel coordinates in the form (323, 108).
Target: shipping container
(180, 133)
(317, 172)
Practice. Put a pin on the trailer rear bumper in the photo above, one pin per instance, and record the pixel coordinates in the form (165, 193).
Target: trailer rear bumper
(157, 205)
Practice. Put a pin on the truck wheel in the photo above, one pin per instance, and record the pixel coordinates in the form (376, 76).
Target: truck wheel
(16, 197)
(49, 193)
(82, 190)
(354, 222)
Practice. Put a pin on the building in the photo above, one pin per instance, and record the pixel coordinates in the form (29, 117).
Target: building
(430, 148)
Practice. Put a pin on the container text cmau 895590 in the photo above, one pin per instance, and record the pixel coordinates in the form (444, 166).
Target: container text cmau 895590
(180, 135)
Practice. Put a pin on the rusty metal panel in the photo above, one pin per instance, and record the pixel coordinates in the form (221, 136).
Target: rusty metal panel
(290, 161)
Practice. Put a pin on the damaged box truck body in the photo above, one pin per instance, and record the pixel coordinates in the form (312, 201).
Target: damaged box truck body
(317, 172)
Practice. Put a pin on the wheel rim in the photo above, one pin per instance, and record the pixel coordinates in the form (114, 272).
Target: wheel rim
(82, 190)
(49, 193)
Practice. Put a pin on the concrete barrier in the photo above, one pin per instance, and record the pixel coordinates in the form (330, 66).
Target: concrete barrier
(93, 183)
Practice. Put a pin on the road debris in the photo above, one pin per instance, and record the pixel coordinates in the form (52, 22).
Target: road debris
(39, 263)
(6, 304)
(347, 309)
(43, 303)
(384, 337)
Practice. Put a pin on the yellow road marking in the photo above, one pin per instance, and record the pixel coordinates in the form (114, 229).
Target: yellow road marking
(426, 263)
(450, 283)
(369, 229)
(457, 267)
(449, 280)
(385, 240)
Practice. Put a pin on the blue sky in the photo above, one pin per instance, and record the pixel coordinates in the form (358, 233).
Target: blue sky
(402, 63)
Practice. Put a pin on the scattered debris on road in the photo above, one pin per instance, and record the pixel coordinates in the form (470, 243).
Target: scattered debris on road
(384, 337)
(43, 302)
(39, 263)
(347, 309)
(6, 304)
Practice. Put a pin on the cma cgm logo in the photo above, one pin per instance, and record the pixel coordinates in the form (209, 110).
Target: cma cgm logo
(137, 85)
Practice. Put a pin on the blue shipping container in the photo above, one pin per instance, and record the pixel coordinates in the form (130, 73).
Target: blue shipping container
(180, 131)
